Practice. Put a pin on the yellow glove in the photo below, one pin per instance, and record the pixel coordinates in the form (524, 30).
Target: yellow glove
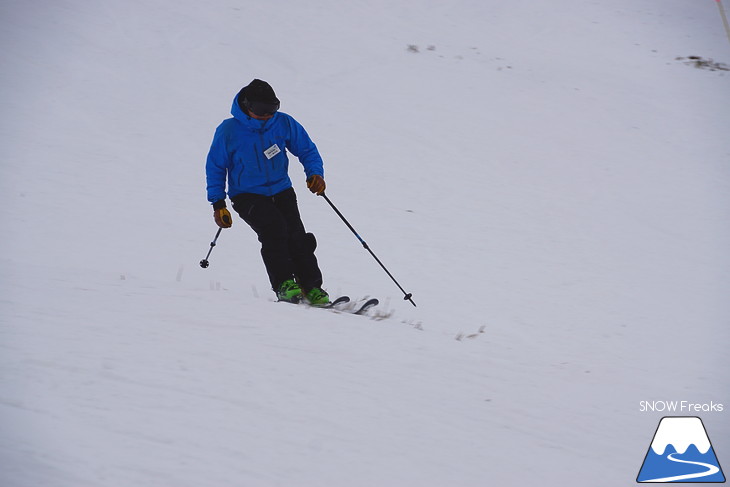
(223, 217)
(316, 184)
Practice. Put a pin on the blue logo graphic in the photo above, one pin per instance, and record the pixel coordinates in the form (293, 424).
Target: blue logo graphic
(681, 452)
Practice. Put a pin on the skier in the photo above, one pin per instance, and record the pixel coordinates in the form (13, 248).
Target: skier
(249, 152)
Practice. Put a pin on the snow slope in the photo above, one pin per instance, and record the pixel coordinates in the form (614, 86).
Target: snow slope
(549, 182)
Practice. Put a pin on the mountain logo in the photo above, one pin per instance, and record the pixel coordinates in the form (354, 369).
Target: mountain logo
(680, 452)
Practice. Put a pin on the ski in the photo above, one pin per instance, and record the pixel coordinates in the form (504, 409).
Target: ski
(352, 308)
(336, 302)
(366, 306)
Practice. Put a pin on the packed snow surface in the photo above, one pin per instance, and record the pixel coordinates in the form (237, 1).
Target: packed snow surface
(549, 179)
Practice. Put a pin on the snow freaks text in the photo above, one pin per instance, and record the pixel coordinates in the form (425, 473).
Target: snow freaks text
(680, 407)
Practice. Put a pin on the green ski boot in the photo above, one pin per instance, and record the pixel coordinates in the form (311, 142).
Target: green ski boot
(289, 291)
(318, 297)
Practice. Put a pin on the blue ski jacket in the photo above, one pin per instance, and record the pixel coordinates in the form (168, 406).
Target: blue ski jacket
(251, 155)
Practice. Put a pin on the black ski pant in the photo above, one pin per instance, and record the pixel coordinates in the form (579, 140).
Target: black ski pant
(286, 248)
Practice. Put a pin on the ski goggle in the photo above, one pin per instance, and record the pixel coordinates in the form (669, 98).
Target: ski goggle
(260, 108)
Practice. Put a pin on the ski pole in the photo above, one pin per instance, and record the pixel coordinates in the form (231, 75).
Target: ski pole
(724, 18)
(408, 296)
(204, 263)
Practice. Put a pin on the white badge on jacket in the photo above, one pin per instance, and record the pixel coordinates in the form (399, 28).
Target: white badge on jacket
(272, 151)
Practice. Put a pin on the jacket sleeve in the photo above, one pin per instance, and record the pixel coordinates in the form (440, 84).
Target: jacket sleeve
(216, 168)
(306, 151)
